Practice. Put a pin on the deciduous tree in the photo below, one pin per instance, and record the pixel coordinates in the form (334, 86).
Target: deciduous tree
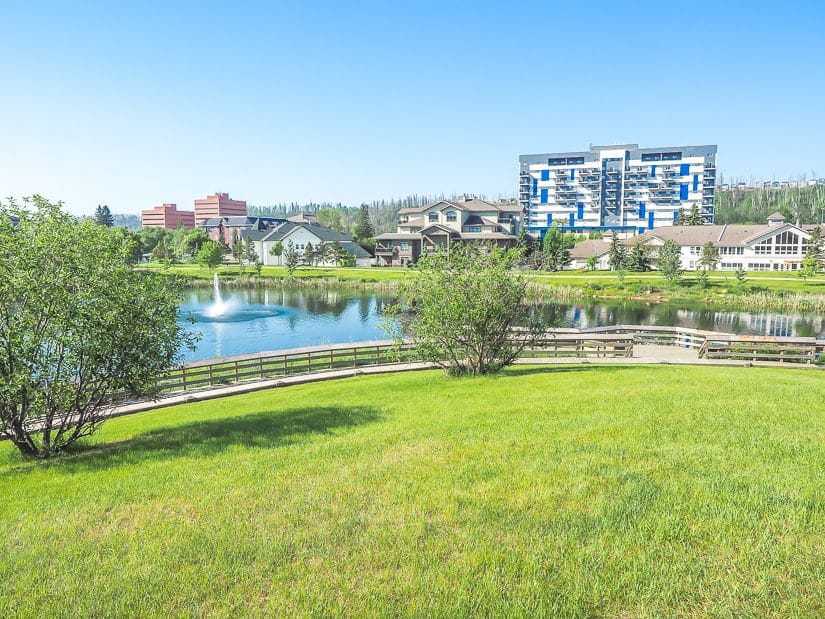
(210, 255)
(670, 263)
(709, 257)
(80, 328)
(291, 258)
(555, 250)
(463, 307)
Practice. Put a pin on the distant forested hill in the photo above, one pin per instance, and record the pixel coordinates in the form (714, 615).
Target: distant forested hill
(753, 206)
(129, 221)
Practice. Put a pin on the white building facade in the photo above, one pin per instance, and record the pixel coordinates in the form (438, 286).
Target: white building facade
(621, 188)
(777, 246)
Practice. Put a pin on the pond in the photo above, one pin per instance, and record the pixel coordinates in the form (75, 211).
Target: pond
(256, 320)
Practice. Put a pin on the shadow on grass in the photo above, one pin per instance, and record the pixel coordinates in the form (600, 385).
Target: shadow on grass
(262, 430)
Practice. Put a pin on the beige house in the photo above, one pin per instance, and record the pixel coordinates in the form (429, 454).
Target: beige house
(774, 246)
(462, 220)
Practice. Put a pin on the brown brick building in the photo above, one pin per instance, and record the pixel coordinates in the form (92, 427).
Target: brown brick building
(167, 216)
(218, 205)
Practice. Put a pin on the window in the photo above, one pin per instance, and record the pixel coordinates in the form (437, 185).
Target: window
(575, 160)
(473, 228)
(545, 175)
(786, 243)
(758, 266)
(556, 161)
(762, 248)
(651, 156)
(730, 266)
(432, 217)
(451, 216)
(671, 156)
(405, 244)
(731, 251)
(695, 251)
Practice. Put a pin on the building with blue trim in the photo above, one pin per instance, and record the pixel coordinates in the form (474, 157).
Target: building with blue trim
(621, 187)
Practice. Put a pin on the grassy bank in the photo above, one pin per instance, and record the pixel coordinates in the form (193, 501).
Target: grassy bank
(775, 291)
(631, 491)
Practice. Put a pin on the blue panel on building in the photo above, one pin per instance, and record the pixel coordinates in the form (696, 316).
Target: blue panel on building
(641, 230)
(684, 169)
(642, 208)
(650, 220)
(653, 170)
(549, 219)
(544, 195)
(572, 174)
(695, 182)
(545, 175)
(580, 210)
(535, 187)
(683, 191)
(572, 220)
(675, 215)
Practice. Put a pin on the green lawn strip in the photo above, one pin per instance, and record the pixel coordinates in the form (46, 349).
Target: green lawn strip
(637, 491)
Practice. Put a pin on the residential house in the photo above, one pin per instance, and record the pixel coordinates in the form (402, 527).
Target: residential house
(775, 246)
(463, 220)
(300, 235)
(581, 252)
(221, 229)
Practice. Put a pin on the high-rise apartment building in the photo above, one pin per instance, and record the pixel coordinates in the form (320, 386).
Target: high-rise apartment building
(218, 205)
(621, 187)
(167, 216)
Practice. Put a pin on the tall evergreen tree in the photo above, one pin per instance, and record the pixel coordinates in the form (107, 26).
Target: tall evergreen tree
(309, 254)
(815, 251)
(617, 254)
(363, 229)
(103, 216)
(637, 259)
(694, 219)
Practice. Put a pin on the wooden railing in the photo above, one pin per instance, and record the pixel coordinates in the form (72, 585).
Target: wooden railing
(776, 349)
(614, 341)
(240, 368)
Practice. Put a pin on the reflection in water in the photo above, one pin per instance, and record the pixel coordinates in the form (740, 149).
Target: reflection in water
(273, 319)
(601, 314)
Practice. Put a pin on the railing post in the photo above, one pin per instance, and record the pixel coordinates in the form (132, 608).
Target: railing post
(236, 371)
(210, 374)
(183, 377)
(261, 366)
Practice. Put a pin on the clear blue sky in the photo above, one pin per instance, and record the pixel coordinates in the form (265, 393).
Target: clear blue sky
(153, 102)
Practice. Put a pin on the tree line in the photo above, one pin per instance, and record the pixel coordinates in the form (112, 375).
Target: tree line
(805, 204)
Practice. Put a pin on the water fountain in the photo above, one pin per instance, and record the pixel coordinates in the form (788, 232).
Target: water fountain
(219, 307)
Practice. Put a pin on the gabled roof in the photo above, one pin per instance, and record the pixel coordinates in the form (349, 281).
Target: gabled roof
(418, 221)
(328, 235)
(590, 247)
(727, 235)
(472, 205)
(438, 229)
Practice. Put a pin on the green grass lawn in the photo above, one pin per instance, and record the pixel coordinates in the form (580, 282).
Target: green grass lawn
(577, 491)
